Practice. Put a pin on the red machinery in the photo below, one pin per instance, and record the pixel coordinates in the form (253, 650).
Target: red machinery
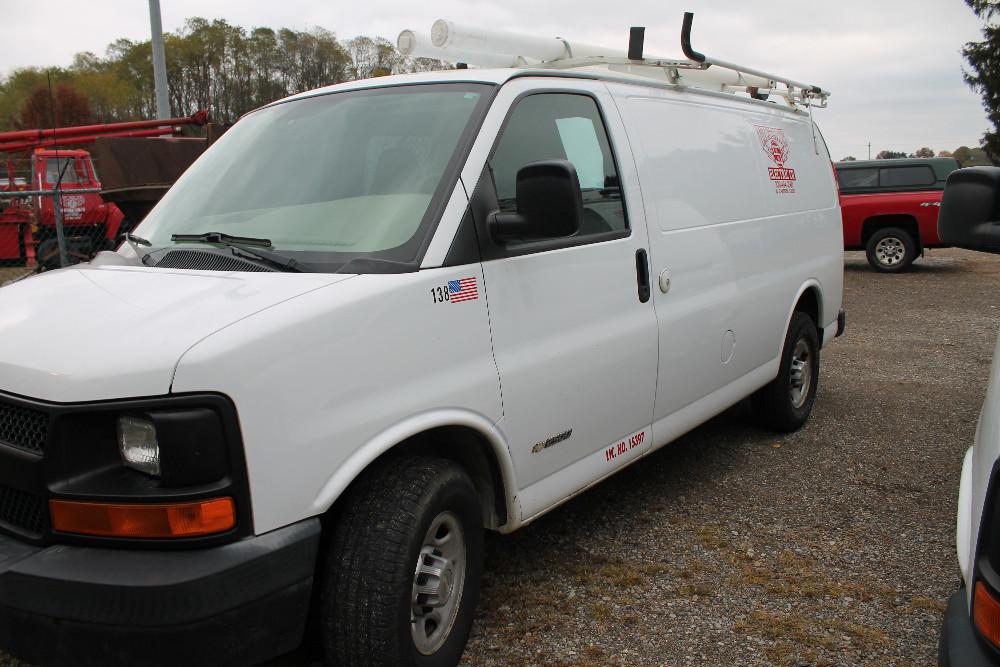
(28, 222)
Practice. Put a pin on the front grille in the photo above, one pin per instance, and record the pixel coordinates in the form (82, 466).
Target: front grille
(201, 260)
(23, 428)
(23, 512)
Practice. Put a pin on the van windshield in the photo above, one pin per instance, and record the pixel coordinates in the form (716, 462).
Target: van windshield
(331, 178)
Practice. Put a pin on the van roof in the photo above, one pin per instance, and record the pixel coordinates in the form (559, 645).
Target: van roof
(494, 76)
(500, 76)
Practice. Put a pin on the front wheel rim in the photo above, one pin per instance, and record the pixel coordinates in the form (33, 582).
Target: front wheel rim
(800, 374)
(438, 583)
(890, 251)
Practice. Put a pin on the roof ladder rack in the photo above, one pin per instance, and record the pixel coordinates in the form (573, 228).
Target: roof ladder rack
(490, 48)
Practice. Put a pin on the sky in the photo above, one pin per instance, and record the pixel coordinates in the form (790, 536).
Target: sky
(894, 66)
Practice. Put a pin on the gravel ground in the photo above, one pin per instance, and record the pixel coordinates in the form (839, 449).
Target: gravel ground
(831, 546)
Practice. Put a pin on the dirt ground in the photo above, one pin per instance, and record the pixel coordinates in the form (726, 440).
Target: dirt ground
(831, 546)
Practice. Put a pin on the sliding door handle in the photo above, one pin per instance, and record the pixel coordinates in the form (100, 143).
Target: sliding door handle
(642, 274)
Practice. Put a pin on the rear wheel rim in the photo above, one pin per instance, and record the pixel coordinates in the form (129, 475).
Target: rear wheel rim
(890, 251)
(800, 374)
(438, 583)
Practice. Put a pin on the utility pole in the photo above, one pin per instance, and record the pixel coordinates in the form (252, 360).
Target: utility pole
(869, 150)
(159, 61)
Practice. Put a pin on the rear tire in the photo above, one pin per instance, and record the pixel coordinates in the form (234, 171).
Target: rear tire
(400, 577)
(891, 250)
(785, 403)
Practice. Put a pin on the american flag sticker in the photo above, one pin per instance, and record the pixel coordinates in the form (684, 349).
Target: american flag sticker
(463, 289)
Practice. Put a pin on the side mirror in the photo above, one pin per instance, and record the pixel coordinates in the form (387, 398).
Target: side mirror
(549, 204)
(970, 209)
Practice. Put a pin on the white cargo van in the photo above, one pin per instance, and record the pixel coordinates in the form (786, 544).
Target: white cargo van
(970, 635)
(373, 320)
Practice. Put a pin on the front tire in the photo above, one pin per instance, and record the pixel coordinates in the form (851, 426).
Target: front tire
(785, 403)
(400, 579)
(891, 250)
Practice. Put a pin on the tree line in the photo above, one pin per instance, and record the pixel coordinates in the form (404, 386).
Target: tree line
(212, 65)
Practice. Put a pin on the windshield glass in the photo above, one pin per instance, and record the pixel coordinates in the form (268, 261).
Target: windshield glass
(330, 178)
(67, 166)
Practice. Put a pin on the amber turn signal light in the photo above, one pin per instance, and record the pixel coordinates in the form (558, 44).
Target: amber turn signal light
(203, 517)
(986, 613)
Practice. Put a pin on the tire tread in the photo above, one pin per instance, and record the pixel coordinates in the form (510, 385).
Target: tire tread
(771, 405)
(363, 574)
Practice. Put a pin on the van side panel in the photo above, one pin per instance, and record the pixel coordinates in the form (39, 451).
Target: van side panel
(737, 244)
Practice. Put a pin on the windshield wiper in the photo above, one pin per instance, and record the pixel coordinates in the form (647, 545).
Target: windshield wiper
(250, 249)
(136, 241)
(219, 237)
(385, 265)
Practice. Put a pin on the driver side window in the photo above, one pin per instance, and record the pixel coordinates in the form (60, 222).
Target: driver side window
(562, 126)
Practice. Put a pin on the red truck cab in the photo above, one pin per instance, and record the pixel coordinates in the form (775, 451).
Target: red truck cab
(28, 224)
(890, 208)
(89, 224)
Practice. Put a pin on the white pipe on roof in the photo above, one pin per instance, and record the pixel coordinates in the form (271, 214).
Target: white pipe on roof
(451, 36)
(496, 48)
(418, 45)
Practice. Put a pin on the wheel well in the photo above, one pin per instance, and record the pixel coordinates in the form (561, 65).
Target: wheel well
(468, 448)
(809, 304)
(904, 222)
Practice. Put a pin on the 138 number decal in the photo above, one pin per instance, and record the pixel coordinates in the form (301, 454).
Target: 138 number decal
(440, 294)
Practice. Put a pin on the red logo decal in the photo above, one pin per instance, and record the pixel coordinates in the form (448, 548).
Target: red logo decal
(775, 145)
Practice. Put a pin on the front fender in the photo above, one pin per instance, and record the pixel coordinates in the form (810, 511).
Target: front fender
(415, 425)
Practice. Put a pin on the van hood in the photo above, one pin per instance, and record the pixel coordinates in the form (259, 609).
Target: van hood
(91, 333)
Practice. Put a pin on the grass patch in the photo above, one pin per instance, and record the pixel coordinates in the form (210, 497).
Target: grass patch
(795, 576)
(921, 603)
(796, 637)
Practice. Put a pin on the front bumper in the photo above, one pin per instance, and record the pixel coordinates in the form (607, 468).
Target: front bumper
(959, 646)
(235, 604)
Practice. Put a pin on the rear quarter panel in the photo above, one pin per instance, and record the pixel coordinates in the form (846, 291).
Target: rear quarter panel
(740, 243)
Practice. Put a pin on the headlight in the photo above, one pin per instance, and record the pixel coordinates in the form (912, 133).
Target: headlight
(138, 446)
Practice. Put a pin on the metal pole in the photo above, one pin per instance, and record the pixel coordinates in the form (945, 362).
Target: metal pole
(159, 61)
(60, 237)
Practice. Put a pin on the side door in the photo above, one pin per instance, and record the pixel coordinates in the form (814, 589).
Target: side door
(574, 330)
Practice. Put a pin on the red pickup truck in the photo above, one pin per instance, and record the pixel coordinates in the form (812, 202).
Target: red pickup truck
(890, 207)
